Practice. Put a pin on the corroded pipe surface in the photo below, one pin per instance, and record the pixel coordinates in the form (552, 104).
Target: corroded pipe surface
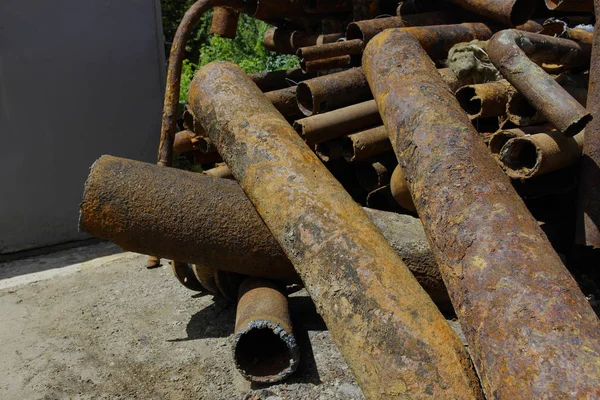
(302, 39)
(333, 91)
(131, 204)
(264, 346)
(485, 99)
(514, 52)
(528, 156)
(224, 22)
(389, 332)
(341, 48)
(220, 171)
(531, 332)
(400, 190)
(588, 218)
(278, 40)
(509, 12)
(284, 101)
(365, 144)
(329, 150)
(185, 141)
(176, 56)
(326, 64)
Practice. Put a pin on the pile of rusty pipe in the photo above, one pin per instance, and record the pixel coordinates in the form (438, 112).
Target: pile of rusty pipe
(176, 56)
(514, 52)
(288, 42)
(224, 22)
(498, 139)
(329, 150)
(366, 144)
(508, 12)
(264, 346)
(588, 214)
(326, 64)
(390, 333)
(485, 99)
(131, 203)
(531, 332)
(274, 80)
(400, 190)
(532, 155)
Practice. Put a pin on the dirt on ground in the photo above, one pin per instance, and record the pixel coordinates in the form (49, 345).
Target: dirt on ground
(111, 329)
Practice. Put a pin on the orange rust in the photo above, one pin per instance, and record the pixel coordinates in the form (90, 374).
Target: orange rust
(224, 22)
(531, 332)
(400, 190)
(366, 144)
(509, 12)
(393, 338)
(485, 99)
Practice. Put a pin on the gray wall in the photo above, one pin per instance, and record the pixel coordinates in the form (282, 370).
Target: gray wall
(78, 79)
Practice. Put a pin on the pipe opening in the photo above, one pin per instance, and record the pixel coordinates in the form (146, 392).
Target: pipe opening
(577, 126)
(348, 149)
(353, 31)
(323, 151)
(266, 352)
(498, 140)
(471, 104)
(521, 11)
(520, 154)
(305, 99)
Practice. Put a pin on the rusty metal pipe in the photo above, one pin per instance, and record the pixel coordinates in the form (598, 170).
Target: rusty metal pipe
(284, 101)
(219, 171)
(484, 99)
(300, 39)
(588, 212)
(329, 150)
(176, 56)
(497, 140)
(514, 52)
(400, 190)
(278, 40)
(531, 332)
(389, 332)
(366, 144)
(332, 91)
(224, 22)
(185, 141)
(132, 204)
(341, 62)
(533, 155)
(509, 12)
(264, 346)
(339, 48)
(275, 80)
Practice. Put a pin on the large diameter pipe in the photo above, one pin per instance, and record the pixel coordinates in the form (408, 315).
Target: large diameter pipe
(265, 349)
(389, 332)
(588, 221)
(514, 52)
(533, 155)
(216, 226)
(509, 12)
(531, 332)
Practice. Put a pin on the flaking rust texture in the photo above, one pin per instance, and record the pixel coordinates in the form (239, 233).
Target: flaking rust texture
(531, 332)
(396, 342)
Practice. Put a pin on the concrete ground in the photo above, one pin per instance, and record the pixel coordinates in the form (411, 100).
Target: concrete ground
(94, 323)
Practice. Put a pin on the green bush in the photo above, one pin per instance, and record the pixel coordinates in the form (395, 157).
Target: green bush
(247, 49)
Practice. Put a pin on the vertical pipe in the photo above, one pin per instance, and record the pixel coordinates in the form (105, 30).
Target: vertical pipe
(396, 343)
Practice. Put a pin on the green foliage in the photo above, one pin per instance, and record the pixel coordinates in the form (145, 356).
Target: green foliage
(247, 49)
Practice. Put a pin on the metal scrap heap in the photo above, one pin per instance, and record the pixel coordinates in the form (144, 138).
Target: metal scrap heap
(428, 156)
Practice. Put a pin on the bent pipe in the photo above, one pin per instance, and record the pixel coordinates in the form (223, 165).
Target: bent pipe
(218, 227)
(514, 52)
(264, 347)
(176, 56)
(390, 333)
(531, 332)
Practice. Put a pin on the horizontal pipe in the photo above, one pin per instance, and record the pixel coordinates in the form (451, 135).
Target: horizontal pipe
(219, 171)
(325, 64)
(531, 332)
(514, 52)
(329, 150)
(300, 39)
(274, 80)
(366, 144)
(339, 48)
(221, 228)
(509, 12)
(528, 156)
(265, 349)
(185, 141)
(224, 22)
(284, 101)
(484, 99)
(391, 335)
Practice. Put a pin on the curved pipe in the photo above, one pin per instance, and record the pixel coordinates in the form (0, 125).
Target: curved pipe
(176, 56)
(514, 53)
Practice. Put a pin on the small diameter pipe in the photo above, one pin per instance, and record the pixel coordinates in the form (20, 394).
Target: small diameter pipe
(274, 80)
(219, 171)
(224, 22)
(264, 346)
(363, 291)
(326, 64)
(176, 56)
(185, 141)
(485, 99)
(400, 190)
(522, 312)
(131, 204)
(329, 150)
(366, 144)
(508, 12)
(498, 139)
(300, 39)
(532, 155)
(588, 210)
(284, 101)
(514, 52)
